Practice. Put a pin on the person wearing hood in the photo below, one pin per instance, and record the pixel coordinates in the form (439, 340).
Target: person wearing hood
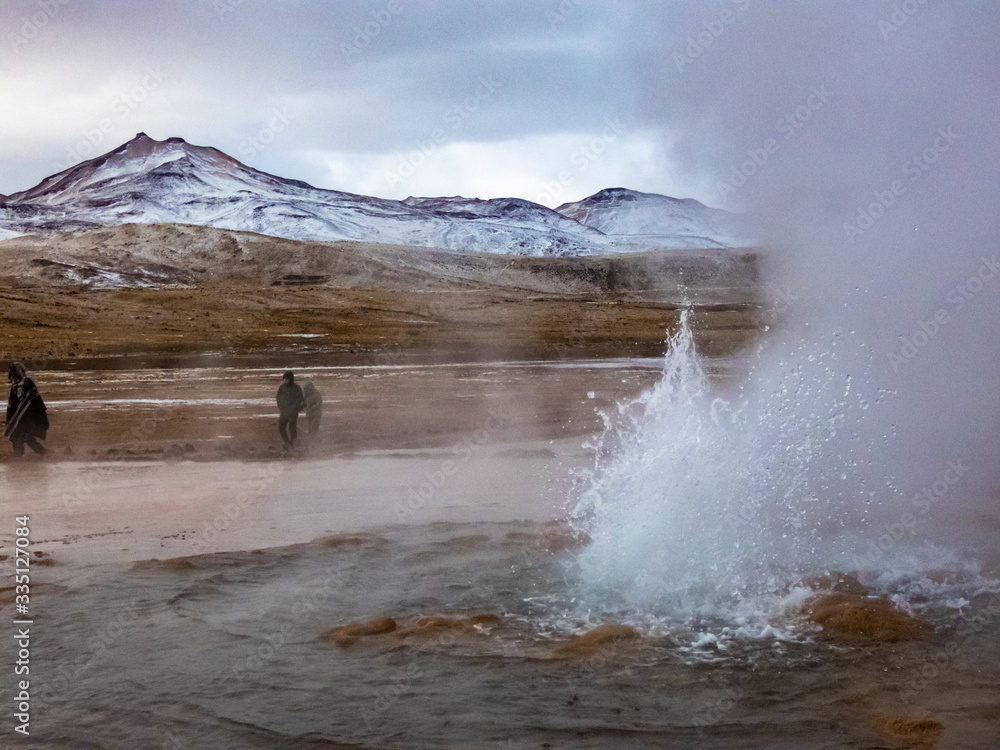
(290, 403)
(27, 422)
(314, 407)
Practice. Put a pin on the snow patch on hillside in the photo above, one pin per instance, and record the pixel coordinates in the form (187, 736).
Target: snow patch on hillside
(148, 181)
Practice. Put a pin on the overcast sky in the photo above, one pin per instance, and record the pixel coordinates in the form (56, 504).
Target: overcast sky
(539, 100)
(549, 100)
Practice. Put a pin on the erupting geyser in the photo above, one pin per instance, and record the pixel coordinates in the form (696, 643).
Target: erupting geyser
(700, 505)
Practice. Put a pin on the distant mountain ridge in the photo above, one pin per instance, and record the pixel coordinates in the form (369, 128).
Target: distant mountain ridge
(623, 212)
(147, 181)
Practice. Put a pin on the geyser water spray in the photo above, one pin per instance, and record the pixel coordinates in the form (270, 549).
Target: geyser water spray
(699, 505)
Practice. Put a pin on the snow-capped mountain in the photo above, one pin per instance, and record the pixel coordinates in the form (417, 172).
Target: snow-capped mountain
(149, 181)
(629, 213)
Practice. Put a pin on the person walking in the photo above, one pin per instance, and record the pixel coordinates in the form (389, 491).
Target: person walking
(290, 402)
(27, 422)
(314, 407)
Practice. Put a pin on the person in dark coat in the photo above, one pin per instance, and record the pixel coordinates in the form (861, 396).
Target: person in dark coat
(314, 407)
(27, 422)
(290, 403)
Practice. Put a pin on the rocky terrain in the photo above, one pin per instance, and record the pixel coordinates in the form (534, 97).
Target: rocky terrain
(142, 290)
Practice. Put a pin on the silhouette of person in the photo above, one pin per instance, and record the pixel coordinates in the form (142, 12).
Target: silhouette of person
(27, 422)
(290, 402)
(314, 407)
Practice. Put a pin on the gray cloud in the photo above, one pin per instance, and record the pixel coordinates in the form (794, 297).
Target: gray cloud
(359, 77)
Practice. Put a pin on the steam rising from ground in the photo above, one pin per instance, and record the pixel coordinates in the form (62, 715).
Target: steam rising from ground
(862, 139)
(877, 201)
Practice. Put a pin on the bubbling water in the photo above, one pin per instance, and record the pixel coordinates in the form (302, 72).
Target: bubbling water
(702, 506)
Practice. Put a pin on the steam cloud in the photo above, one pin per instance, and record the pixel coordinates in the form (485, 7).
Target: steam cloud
(863, 138)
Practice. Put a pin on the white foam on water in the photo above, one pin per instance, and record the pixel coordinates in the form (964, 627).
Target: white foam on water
(704, 508)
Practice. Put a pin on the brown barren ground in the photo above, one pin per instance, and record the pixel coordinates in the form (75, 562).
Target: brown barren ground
(56, 324)
(162, 298)
(165, 290)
